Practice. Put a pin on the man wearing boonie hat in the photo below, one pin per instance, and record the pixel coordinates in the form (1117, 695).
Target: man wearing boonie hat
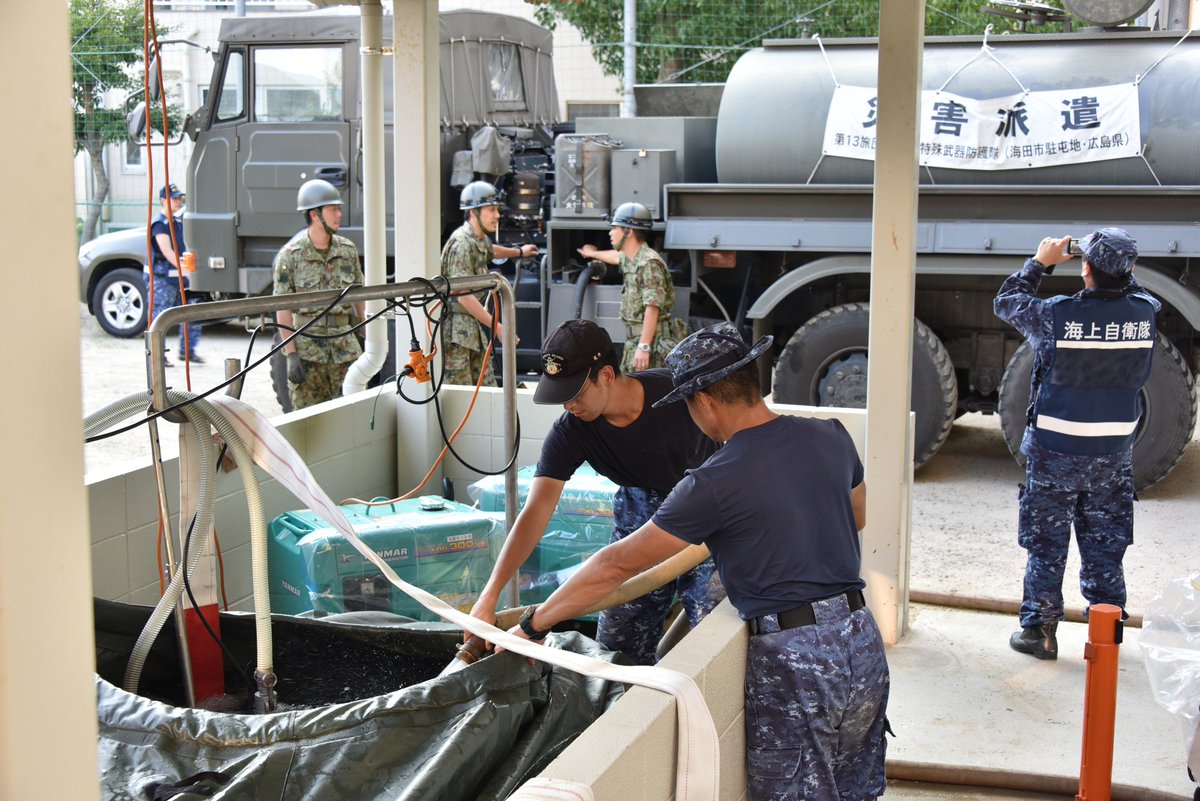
(780, 506)
(1093, 356)
(611, 424)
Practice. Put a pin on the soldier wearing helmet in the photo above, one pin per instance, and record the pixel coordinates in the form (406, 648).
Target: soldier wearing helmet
(318, 258)
(467, 253)
(648, 295)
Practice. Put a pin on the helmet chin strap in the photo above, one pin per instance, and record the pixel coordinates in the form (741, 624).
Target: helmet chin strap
(321, 216)
(624, 236)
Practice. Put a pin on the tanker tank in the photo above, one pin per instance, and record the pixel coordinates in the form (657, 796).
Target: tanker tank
(771, 123)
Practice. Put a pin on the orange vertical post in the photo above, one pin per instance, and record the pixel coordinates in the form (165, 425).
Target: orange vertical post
(1100, 702)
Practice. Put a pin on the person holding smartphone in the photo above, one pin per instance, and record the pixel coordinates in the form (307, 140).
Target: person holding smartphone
(1094, 352)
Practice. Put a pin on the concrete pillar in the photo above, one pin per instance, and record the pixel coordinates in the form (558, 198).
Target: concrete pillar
(417, 201)
(47, 696)
(417, 171)
(893, 263)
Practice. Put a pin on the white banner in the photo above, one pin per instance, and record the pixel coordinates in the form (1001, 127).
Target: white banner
(1021, 131)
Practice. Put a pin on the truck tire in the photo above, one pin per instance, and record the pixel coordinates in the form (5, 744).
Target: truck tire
(279, 376)
(1163, 432)
(825, 364)
(119, 302)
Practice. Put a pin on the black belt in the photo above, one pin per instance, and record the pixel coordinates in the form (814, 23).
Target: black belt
(803, 615)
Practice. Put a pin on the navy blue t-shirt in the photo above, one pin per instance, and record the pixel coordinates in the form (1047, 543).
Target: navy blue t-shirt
(773, 506)
(160, 226)
(652, 452)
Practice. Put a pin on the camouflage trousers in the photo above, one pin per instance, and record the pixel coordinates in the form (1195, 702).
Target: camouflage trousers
(322, 381)
(816, 705)
(1093, 494)
(635, 628)
(166, 296)
(463, 366)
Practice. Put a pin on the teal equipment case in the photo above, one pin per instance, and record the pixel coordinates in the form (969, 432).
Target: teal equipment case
(440, 546)
(581, 525)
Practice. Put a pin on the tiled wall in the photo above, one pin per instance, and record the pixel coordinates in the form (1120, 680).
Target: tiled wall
(628, 754)
(347, 456)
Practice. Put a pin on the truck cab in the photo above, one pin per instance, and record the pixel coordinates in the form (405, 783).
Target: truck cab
(285, 106)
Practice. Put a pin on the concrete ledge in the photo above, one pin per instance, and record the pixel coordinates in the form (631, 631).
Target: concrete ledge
(629, 753)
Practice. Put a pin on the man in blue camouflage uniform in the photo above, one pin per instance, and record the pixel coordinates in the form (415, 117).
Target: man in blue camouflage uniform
(647, 294)
(611, 424)
(165, 264)
(467, 253)
(316, 259)
(779, 506)
(1093, 355)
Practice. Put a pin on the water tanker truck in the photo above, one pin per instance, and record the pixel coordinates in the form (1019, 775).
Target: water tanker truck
(761, 189)
(765, 210)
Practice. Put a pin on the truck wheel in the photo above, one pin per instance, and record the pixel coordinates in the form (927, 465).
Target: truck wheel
(825, 364)
(1166, 427)
(279, 376)
(119, 302)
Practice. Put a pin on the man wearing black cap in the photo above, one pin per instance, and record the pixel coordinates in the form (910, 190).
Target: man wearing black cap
(780, 506)
(1094, 351)
(611, 424)
(166, 243)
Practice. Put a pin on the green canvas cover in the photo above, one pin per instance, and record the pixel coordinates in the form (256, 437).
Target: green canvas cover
(477, 733)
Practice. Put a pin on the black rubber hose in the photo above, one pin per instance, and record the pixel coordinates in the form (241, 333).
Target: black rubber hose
(595, 268)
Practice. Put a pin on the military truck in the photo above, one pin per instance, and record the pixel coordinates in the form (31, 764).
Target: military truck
(764, 209)
(761, 189)
(286, 107)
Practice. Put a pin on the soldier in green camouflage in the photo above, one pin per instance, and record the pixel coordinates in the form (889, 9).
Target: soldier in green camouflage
(467, 253)
(648, 294)
(316, 259)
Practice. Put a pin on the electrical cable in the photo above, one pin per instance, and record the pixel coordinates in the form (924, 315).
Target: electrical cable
(238, 375)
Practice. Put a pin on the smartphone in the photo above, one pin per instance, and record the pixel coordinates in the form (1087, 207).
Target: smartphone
(1073, 248)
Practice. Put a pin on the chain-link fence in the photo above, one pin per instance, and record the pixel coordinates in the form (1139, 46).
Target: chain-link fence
(116, 178)
(689, 42)
(677, 40)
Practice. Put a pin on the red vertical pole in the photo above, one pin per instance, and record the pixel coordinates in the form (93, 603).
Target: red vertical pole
(1100, 702)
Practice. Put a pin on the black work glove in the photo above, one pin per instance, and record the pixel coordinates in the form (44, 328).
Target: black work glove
(295, 368)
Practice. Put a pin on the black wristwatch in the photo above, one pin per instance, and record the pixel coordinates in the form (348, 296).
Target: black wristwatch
(526, 624)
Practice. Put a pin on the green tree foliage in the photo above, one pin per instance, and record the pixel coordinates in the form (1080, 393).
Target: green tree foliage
(696, 41)
(106, 69)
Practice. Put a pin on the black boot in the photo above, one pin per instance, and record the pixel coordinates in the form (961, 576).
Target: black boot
(1037, 640)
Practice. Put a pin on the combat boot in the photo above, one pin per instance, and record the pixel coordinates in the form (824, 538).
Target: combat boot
(1040, 641)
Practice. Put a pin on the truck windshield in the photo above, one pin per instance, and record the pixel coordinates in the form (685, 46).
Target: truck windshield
(297, 84)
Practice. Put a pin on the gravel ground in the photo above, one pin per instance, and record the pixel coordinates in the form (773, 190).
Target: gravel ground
(964, 517)
(113, 368)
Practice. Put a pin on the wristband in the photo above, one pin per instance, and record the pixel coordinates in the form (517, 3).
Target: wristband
(526, 624)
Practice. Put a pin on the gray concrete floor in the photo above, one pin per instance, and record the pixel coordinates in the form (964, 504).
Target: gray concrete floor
(962, 697)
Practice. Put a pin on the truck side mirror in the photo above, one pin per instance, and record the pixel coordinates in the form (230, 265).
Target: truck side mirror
(152, 77)
(135, 122)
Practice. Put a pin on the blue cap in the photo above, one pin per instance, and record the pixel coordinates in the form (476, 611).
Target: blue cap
(707, 356)
(172, 189)
(1110, 250)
